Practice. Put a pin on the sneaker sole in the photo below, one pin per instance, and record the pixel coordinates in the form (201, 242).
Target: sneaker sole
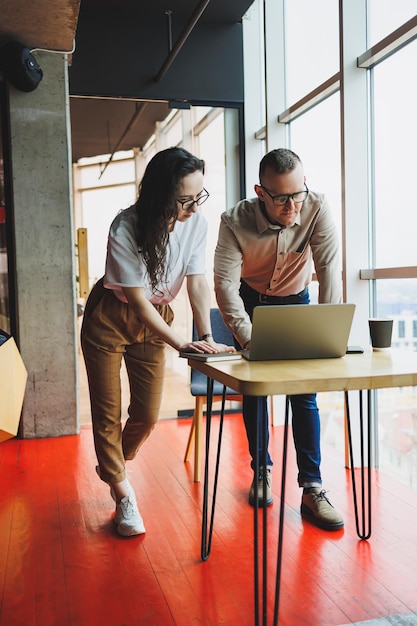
(130, 532)
(308, 514)
(260, 502)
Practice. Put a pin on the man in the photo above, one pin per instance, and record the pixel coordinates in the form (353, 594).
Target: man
(264, 256)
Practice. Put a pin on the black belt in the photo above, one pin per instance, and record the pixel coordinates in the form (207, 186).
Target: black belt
(292, 299)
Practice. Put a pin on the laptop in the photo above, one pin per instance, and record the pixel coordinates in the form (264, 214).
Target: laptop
(300, 331)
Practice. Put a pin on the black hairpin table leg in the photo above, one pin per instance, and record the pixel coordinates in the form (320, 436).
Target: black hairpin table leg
(207, 529)
(256, 524)
(363, 526)
(281, 510)
(260, 415)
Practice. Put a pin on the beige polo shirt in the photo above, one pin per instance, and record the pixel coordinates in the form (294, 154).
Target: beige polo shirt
(274, 260)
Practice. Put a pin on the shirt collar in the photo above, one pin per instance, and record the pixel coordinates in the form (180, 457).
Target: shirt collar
(262, 222)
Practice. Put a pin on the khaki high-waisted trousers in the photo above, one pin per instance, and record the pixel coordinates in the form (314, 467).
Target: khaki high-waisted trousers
(111, 331)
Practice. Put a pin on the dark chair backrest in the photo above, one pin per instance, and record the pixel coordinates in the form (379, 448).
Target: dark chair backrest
(221, 334)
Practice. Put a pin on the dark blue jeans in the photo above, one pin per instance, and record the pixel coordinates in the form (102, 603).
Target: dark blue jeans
(305, 414)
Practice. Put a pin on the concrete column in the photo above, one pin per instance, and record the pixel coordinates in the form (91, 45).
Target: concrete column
(45, 251)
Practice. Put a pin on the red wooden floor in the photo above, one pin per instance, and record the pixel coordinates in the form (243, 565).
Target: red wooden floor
(61, 562)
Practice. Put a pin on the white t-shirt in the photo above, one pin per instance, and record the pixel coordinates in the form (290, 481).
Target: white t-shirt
(125, 266)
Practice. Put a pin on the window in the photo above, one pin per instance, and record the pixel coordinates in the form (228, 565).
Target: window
(103, 193)
(212, 149)
(396, 298)
(374, 163)
(311, 44)
(320, 151)
(383, 19)
(395, 106)
(174, 132)
(97, 172)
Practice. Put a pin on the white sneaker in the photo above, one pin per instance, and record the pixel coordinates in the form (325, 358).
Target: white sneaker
(118, 516)
(128, 519)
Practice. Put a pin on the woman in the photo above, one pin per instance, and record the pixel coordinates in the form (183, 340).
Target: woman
(152, 247)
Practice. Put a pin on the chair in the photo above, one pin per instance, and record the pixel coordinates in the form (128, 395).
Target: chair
(198, 387)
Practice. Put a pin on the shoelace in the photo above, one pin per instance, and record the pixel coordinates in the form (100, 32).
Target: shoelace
(320, 496)
(128, 508)
(261, 477)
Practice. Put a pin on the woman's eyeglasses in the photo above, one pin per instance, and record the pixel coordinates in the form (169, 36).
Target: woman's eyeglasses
(187, 205)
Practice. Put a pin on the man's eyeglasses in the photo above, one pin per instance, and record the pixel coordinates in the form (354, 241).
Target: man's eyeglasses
(283, 198)
(187, 205)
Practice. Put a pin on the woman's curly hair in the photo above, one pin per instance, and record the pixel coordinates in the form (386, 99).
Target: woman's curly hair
(156, 206)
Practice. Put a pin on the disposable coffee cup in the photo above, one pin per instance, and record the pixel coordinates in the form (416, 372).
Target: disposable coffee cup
(380, 330)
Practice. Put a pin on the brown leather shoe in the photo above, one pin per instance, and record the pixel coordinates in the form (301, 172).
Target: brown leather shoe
(259, 484)
(318, 508)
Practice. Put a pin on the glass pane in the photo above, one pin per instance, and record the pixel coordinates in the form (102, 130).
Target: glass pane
(397, 417)
(397, 432)
(211, 148)
(174, 133)
(396, 407)
(320, 151)
(100, 207)
(199, 112)
(312, 45)
(395, 134)
(395, 106)
(116, 172)
(383, 18)
(398, 299)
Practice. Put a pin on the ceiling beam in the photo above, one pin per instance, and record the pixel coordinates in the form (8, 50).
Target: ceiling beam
(140, 107)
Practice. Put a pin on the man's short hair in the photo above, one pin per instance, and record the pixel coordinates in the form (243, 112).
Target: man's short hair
(280, 161)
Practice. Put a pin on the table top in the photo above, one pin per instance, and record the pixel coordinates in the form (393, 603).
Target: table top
(370, 370)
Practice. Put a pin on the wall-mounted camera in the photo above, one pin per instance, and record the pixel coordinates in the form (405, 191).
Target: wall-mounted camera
(20, 66)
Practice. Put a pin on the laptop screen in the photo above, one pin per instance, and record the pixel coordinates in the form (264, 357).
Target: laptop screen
(300, 331)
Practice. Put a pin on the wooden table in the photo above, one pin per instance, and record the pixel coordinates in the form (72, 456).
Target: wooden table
(353, 372)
